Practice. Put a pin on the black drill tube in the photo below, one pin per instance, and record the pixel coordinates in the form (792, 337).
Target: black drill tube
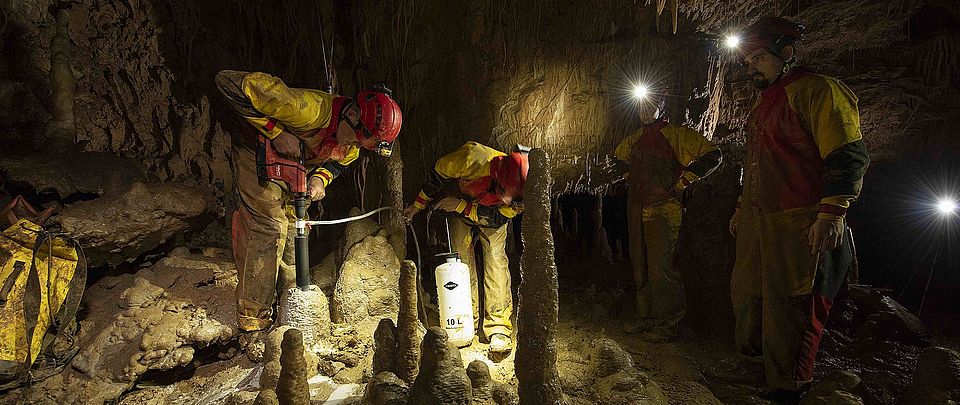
(301, 244)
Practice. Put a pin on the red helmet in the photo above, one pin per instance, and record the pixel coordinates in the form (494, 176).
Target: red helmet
(380, 119)
(510, 173)
(770, 33)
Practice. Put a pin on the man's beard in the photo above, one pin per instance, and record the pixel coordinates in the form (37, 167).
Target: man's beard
(759, 81)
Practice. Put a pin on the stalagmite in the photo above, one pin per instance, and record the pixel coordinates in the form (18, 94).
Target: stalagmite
(308, 311)
(394, 223)
(480, 380)
(536, 361)
(62, 128)
(385, 346)
(292, 388)
(408, 345)
(385, 389)
(442, 379)
(266, 397)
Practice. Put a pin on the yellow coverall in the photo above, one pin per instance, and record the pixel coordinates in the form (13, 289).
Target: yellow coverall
(805, 159)
(465, 173)
(664, 159)
(263, 224)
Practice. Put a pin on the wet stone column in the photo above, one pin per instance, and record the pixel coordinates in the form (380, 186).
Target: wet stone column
(536, 360)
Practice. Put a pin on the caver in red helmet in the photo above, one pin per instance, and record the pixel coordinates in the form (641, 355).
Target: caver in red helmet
(380, 120)
(770, 33)
(510, 173)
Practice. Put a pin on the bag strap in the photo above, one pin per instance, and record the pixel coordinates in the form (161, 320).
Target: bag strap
(18, 267)
(32, 295)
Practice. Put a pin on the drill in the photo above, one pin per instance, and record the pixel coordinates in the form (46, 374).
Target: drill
(273, 167)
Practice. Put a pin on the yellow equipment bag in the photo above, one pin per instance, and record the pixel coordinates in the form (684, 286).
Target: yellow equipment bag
(41, 283)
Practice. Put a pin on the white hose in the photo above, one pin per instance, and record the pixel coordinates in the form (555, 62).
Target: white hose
(347, 219)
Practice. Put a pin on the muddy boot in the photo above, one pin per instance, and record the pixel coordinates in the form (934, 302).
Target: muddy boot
(637, 327)
(500, 346)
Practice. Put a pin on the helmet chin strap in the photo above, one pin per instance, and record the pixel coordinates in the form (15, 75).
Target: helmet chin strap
(787, 63)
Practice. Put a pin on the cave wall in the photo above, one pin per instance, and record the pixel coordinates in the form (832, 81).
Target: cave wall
(542, 73)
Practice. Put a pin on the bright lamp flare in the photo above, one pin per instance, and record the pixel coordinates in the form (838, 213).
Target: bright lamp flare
(733, 41)
(640, 91)
(947, 206)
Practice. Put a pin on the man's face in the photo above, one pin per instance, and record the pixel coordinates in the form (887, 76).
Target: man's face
(763, 67)
(647, 110)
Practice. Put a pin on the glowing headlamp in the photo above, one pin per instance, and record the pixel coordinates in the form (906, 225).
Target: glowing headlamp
(947, 206)
(640, 92)
(732, 41)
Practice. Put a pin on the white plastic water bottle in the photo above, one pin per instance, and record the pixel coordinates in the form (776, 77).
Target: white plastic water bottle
(453, 294)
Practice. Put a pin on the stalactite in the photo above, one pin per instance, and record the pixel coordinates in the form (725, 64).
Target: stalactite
(599, 232)
(61, 130)
(536, 359)
(711, 117)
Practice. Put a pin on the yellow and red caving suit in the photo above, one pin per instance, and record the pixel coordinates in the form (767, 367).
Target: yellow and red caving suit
(263, 224)
(664, 159)
(805, 159)
(465, 173)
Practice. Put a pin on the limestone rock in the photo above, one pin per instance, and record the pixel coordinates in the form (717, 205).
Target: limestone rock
(292, 388)
(937, 379)
(324, 274)
(57, 175)
(834, 389)
(480, 381)
(385, 347)
(505, 395)
(887, 319)
(271, 358)
(408, 324)
(609, 358)
(618, 382)
(629, 387)
(153, 320)
(538, 305)
(120, 227)
(368, 283)
(307, 311)
(442, 379)
(267, 397)
(354, 232)
(385, 389)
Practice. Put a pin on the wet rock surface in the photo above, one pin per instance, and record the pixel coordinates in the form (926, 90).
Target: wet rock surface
(442, 379)
(367, 287)
(937, 379)
(292, 386)
(386, 389)
(159, 319)
(837, 388)
(538, 303)
(120, 227)
(71, 176)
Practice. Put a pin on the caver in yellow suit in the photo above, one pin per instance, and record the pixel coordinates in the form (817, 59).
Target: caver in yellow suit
(481, 177)
(805, 160)
(664, 159)
(263, 224)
